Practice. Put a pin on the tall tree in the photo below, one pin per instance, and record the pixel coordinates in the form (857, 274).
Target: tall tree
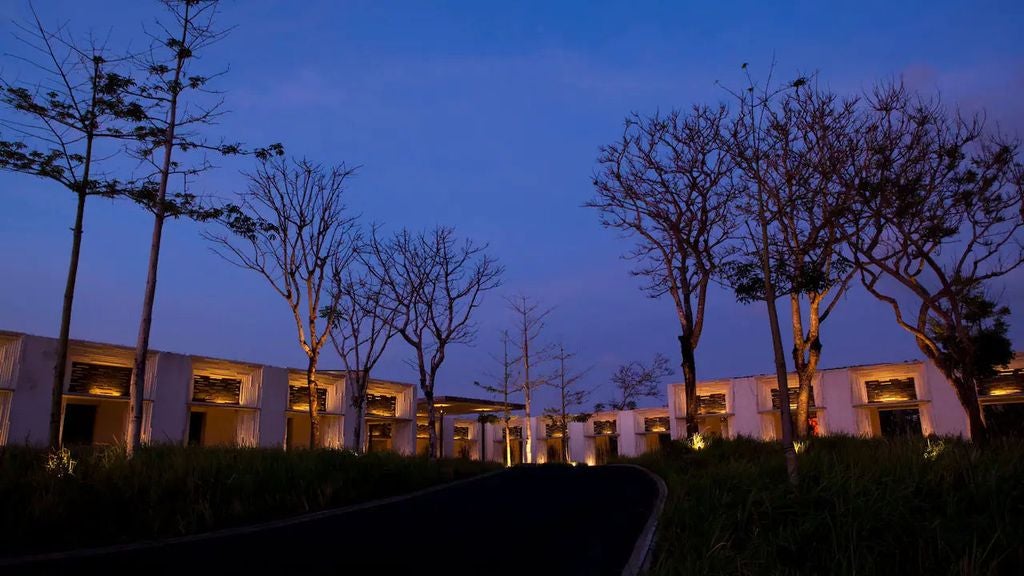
(362, 330)
(753, 148)
(177, 101)
(292, 227)
(79, 100)
(812, 150)
(529, 322)
(433, 283)
(667, 183)
(571, 396)
(939, 220)
(635, 381)
(505, 388)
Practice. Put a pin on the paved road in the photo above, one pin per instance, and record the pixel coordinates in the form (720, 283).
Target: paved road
(528, 520)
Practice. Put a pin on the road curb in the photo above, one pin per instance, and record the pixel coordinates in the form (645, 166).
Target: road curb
(643, 550)
(235, 531)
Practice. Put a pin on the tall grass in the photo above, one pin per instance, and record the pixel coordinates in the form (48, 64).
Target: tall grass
(171, 491)
(862, 507)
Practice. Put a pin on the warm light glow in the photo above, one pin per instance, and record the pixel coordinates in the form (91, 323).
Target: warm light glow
(99, 391)
(1002, 391)
(800, 446)
(933, 450)
(699, 441)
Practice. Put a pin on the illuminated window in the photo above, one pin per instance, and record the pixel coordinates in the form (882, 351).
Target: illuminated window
(216, 390)
(553, 430)
(656, 424)
(602, 427)
(298, 398)
(891, 390)
(1005, 383)
(793, 398)
(100, 379)
(380, 404)
(711, 404)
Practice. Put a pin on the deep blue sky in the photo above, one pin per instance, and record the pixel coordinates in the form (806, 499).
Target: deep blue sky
(487, 116)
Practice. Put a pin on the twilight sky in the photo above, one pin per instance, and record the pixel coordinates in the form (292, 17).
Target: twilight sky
(486, 116)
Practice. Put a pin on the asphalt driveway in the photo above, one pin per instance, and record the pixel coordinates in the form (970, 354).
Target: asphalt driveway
(527, 520)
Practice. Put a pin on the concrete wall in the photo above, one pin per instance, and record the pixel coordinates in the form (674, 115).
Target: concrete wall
(947, 416)
(170, 397)
(30, 407)
(273, 404)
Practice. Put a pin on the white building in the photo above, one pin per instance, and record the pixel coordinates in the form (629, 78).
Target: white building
(208, 401)
(187, 400)
(869, 400)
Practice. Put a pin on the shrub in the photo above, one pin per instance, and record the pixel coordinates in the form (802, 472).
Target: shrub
(170, 491)
(864, 506)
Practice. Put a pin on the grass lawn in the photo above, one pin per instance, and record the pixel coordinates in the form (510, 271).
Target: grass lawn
(171, 491)
(862, 507)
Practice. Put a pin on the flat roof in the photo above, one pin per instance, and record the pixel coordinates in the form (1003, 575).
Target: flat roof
(463, 405)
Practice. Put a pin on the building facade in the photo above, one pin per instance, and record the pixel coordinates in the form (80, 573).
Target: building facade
(873, 400)
(188, 400)
(202, 401)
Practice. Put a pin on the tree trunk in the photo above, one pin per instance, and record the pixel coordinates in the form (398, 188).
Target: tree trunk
(806, 355)
(976, 421)
(483, 441)
(145, 324)
(803, 404)
(314, 404)
(359, 402)
(528, 456)
(966, 389)
(440, 434)
(780, 356)
(61, 364)
(967, 393)
(689, 366)
(357, 432)
(138, 381)
(432, 427)
(508, 444)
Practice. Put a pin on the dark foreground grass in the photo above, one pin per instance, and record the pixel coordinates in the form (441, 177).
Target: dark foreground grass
(172, 491)
(862, 507)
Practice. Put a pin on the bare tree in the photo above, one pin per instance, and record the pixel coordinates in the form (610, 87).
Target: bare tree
(433, 284)
(79, 99)
(668, 184)
(506, 387)
(570, 397)
(529, 321)
(812, 151)
(177, 102)
(292, 227)
(752, 146)
(939, 219)
(634, 381)
(362, 330)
